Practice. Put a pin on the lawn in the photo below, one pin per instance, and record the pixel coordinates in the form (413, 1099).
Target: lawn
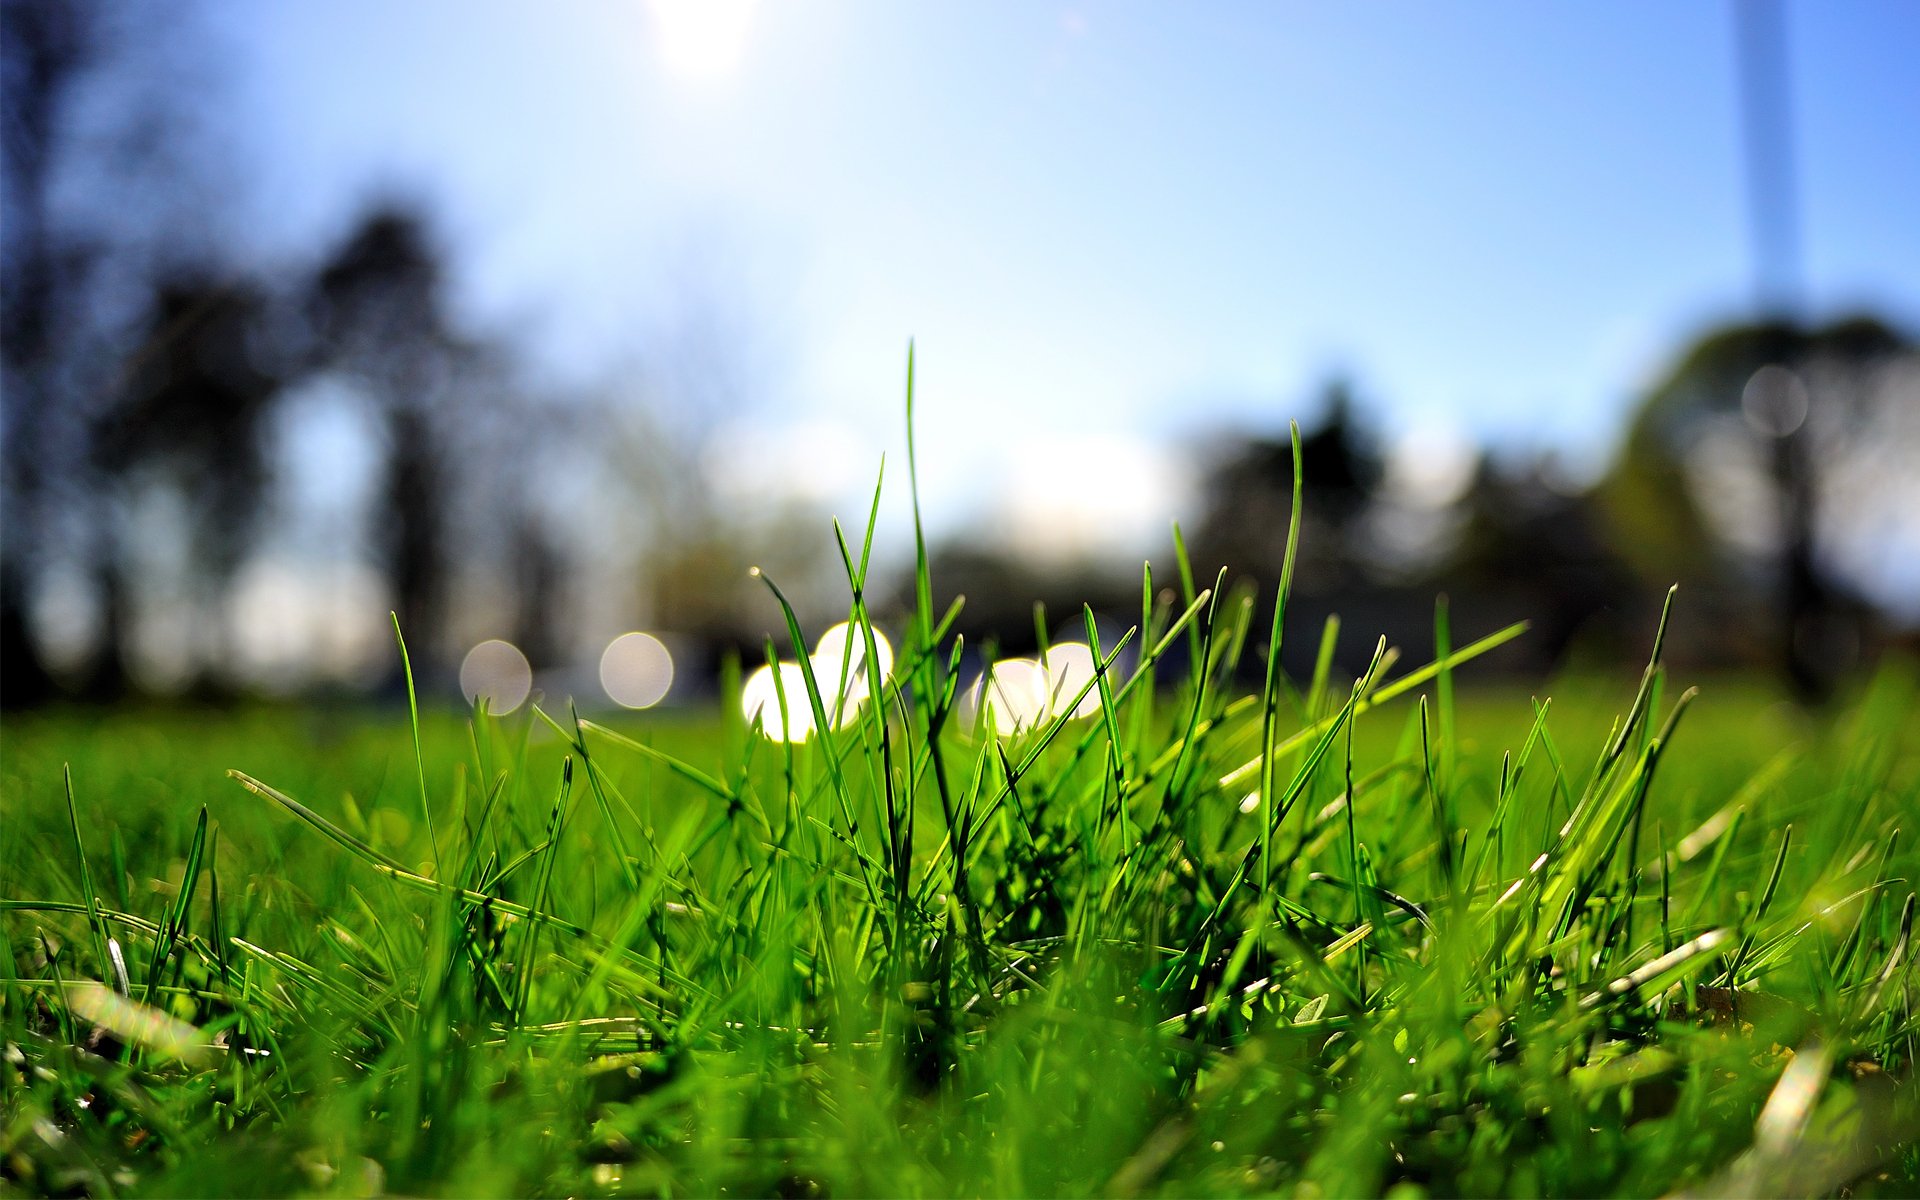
(1440, 937)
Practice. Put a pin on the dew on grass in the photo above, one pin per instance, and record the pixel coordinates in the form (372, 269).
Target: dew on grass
(636, 670)
(495, 671)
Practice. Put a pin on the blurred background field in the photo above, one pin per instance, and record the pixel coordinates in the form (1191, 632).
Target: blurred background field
(141, 773)
(541, 327)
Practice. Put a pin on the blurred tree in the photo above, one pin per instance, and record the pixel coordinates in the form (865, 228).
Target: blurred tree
(1540, 552)
(44, 47)
(1248, 493)
(464, 525)
(130, 355)
(538, 565)
(378, 315)
(666, 432)
(190, 419)
(1006, 593)
(1729, 464)
(143, 365)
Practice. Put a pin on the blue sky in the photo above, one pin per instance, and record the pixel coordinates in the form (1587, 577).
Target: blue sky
(1110, 227)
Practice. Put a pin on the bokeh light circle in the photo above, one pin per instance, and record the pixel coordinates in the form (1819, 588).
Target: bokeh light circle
(636, 670)
(846, 645)
(1070, 667)
(496, 672)
(1015, 697)
(761, 696)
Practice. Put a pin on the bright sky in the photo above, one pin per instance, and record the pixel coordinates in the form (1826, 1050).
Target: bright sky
(1110, 227)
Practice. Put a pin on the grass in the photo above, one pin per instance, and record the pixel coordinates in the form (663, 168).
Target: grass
(1434, 939)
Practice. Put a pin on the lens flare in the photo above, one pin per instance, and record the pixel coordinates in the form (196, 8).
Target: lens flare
(636, 670)
(496, 672)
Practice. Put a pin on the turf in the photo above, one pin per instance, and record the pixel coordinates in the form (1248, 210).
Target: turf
(1395, 934)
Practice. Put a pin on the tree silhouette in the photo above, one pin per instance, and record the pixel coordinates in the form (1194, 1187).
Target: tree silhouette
(1249, 498)
(1520, 537)
(44, 47)
(1800, 407)
(130, 351)
(377, 309)
(190, 418)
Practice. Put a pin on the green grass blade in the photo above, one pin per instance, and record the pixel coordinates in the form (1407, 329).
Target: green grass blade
(419, 758)
(103, 957)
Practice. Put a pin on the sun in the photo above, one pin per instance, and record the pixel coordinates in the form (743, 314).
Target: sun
(701, 39)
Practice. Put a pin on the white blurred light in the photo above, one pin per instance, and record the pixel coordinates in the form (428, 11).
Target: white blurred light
(1431, 465)
(1061, 498)
(1026, 692)
(1014, 698)
(845, 645)
(64, 616)
(761, 696)
(702, 39)
(833, 645)
(1727, 476)
(496, 671)
(296, 621)
(839, 664)
(767, 467)
(636, 670)
(1070, 667)
(1775, 401)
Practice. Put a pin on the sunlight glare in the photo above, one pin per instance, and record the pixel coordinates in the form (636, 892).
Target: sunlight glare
(701, 39)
